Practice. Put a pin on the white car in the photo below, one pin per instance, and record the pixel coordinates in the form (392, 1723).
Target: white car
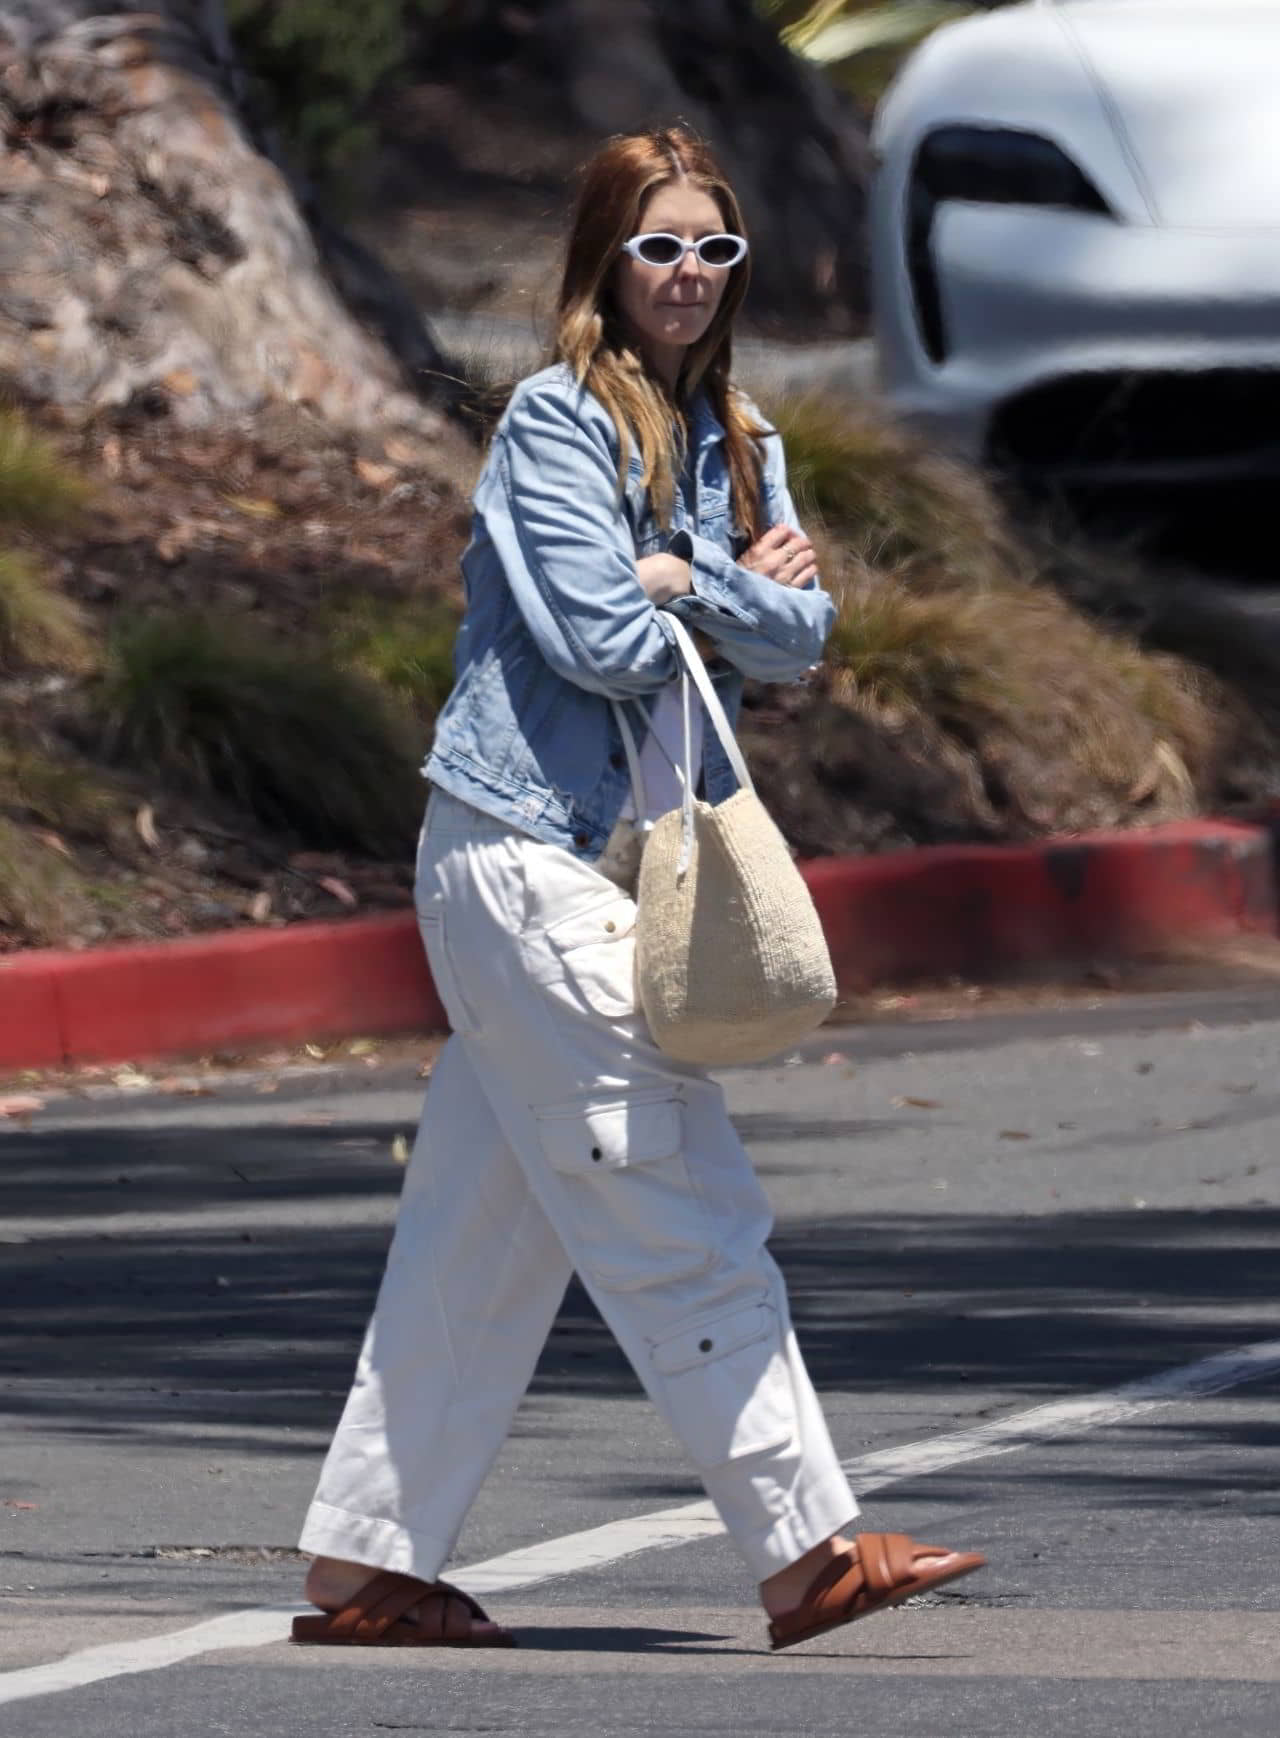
(1076, 240)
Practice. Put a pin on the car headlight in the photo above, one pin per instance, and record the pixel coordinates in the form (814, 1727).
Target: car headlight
(986, 166)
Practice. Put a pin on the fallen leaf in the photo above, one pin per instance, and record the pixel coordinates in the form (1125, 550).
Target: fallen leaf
(377, 476)
(253, 505)
(1242, 1086)
(400, 1150)
(918, 1103)
(12, 1503)
(22, 1105)
(145, 822)
(1014, 1134)
(831, 1060)
(131, 1079)
(362, 1046)
(310, 1119)
(54, 841)
(260, 907)
(181, 381)
(339, 890)
(314, 1051)
(173, 544)
(400, 452)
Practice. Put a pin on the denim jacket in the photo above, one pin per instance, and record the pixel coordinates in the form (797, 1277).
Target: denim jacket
(557, 624)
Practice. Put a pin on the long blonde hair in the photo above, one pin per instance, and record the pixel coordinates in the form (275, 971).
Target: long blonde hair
(592, 341)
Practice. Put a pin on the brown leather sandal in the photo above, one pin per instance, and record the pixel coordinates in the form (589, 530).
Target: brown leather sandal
(377, 1616)
(882, 1570)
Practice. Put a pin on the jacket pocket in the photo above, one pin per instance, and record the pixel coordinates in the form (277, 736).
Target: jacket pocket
(635, 1215)
(726, 1386)
(592, 953)
(431, 925)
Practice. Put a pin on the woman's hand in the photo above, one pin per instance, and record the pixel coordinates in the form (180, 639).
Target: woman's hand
(664, 577)
(782, 554)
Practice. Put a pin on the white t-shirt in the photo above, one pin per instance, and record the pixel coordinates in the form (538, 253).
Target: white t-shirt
(662, 751)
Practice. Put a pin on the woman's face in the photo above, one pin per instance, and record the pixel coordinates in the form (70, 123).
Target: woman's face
(670, 307)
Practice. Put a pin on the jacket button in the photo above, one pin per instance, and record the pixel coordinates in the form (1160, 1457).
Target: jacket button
(582, 840)
(596, 1154)
(610, 927)
(705, 1345)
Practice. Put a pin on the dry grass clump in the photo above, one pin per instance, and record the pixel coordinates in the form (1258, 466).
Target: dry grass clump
(967, 663)
(42, 895)
(298, 742)
(890, 501)
(38, 491)
(1070, 726)
(69, 798)
(39, 626)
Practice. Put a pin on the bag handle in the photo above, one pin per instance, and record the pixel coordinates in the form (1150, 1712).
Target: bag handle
(695, 668)
(692, 669)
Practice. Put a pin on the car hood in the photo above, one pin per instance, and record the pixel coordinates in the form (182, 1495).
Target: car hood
(1191, 86)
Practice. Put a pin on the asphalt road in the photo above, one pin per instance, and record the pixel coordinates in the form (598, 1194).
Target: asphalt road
(976, 1218)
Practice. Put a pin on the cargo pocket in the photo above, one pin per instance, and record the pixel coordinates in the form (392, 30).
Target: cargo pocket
(636, 1217)
(431, 924)
(726, 1385)
(589, 957)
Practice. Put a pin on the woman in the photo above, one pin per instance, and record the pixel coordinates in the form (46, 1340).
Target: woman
(626, 483)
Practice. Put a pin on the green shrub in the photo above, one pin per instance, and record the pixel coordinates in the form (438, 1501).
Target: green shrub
(298, 741)
(318, 65)
(406, 648)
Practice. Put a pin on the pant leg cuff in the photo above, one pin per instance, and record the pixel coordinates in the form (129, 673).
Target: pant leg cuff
(330, 1532)
(819, 1511)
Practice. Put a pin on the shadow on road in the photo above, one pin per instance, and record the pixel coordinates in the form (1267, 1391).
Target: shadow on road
(248, 1261)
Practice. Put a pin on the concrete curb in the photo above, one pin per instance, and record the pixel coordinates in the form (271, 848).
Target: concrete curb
(968, 910)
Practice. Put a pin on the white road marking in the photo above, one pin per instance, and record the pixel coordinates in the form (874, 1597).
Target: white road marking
(668, 1527)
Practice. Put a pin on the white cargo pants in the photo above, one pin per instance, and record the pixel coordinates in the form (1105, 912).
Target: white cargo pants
(556, 1136)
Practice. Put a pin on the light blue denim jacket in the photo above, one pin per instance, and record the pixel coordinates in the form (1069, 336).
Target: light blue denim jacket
(557, 625)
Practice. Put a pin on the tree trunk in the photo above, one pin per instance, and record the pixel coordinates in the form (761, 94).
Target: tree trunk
(153, 255)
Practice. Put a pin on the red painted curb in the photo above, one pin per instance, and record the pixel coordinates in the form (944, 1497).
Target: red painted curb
(978, 910)
(941, 911)
(217, 991)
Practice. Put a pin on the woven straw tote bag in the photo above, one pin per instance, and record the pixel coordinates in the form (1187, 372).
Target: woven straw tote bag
(731, 962)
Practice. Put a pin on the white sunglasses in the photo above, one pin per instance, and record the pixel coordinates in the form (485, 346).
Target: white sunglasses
(658, 249)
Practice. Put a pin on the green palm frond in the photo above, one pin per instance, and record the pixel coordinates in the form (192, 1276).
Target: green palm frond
(833, 31)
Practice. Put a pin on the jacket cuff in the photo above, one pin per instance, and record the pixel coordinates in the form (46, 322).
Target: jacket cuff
(714, 592)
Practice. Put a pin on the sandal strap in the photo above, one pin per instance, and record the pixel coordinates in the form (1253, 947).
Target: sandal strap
(388, 1597)
(473, 1605)
(887, 1560)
